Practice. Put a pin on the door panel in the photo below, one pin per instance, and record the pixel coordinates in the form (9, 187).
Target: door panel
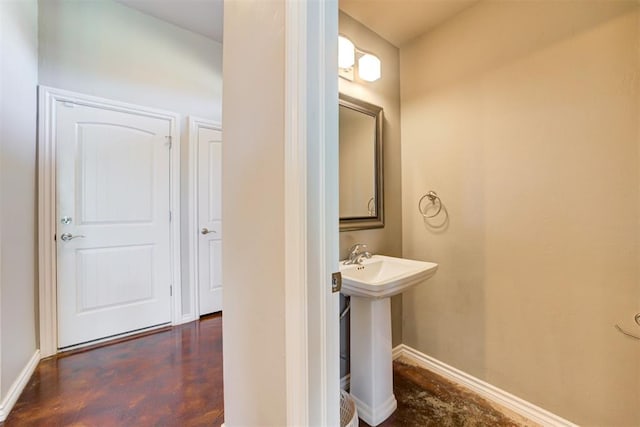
(113, 198)
(215, 265)
(214, 149)
(209, 218)
(122, 197)
(111, 277)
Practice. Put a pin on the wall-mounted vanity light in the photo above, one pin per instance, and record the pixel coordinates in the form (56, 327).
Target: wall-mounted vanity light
(346, 53)
(368, 65)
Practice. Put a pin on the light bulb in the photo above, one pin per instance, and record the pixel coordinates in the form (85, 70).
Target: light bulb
(369, 67)
(346, 52)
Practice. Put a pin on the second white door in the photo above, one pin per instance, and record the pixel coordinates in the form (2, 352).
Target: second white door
(209, 142)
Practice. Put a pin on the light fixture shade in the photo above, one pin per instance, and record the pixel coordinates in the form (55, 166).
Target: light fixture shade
(346, 52)
(369, 67)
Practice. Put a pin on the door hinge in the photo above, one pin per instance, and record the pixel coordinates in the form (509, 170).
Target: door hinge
(170, 216)
(336, 281)
(170, 290)
(169, 141)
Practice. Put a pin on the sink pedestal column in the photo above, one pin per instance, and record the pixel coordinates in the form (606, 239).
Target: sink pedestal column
(371, 362)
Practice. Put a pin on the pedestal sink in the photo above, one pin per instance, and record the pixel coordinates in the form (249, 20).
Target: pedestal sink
(370, 286)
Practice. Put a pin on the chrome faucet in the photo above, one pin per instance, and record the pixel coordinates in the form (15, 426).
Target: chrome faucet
(356, 253)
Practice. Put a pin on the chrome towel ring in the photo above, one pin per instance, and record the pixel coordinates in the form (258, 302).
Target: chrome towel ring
(434, 199)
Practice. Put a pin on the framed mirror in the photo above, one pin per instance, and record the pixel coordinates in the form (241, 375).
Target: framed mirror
(361, 179)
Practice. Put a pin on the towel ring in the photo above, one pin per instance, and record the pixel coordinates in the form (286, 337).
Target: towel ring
(433, 197)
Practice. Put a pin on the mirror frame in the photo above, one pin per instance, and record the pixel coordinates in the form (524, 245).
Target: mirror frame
(367, 222)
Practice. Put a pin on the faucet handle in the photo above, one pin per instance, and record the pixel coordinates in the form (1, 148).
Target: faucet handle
(357, 247)
(356, 252)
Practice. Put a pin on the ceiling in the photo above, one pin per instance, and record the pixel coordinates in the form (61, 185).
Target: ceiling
(399, 21)
(200, 16)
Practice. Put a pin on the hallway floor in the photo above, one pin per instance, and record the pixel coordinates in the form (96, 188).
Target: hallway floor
(169, 378)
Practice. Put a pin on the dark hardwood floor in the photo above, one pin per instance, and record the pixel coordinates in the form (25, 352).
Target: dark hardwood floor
(174, 378)
(169, 378)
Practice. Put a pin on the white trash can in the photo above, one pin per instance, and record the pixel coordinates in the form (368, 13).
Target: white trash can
(348, 410)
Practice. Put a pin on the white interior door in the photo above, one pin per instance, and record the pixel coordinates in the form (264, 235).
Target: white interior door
(209, 219)
(113, 222)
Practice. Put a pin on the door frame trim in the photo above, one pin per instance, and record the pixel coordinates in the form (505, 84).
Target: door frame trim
(298, 379)
(311, 212)
(195, 123)
(47, 257)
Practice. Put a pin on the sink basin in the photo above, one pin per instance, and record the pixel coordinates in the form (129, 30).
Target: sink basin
(383, 276)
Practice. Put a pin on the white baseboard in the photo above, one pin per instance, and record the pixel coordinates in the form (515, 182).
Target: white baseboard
(18, 385)
(486, 390)
(345, 382)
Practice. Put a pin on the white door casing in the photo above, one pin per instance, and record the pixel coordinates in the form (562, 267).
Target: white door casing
(205, 146)
(112, 174)
(311, 212)
(92, 253)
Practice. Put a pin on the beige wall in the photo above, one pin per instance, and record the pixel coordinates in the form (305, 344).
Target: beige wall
(386, 94)
(18, 80)
(253, 212)
(106, 49)
(524, 117)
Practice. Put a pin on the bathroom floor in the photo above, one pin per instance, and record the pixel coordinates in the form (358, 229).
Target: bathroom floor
(427, 399)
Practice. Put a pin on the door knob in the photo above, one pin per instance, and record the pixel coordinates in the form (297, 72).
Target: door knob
(65, 237)
(205, 230)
